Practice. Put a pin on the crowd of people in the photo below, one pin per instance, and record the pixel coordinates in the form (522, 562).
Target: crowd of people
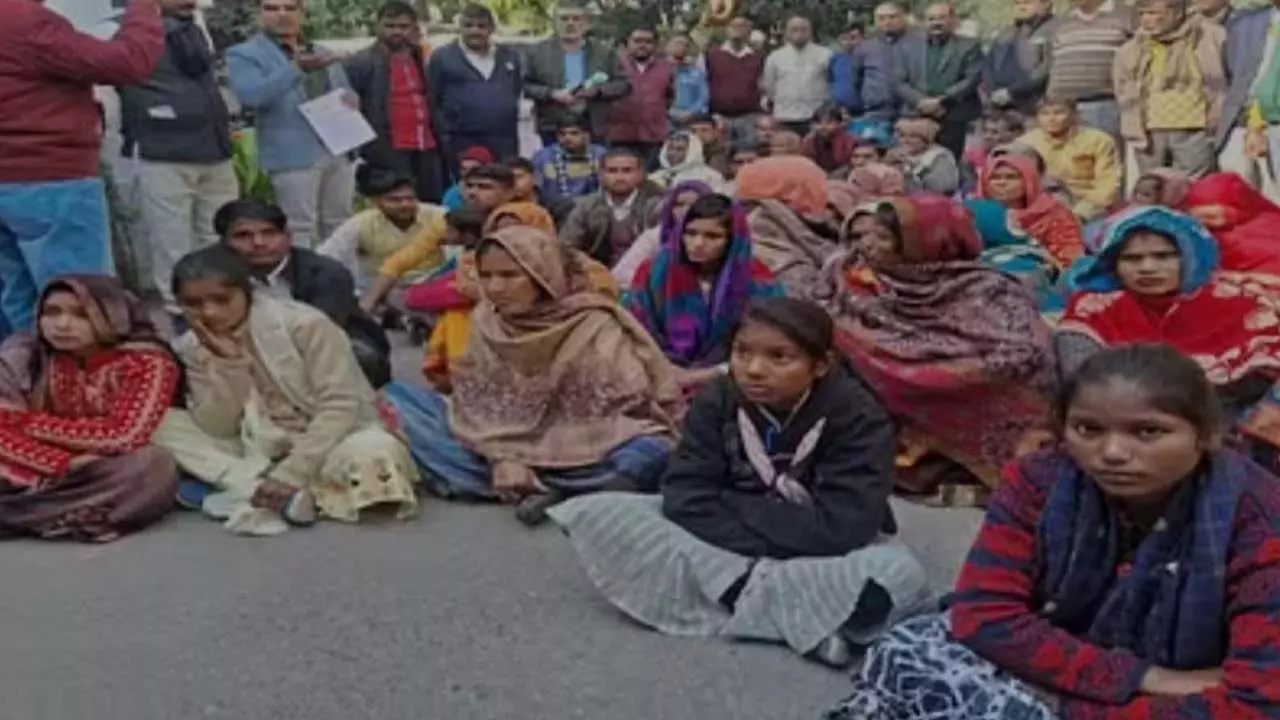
(737, 300)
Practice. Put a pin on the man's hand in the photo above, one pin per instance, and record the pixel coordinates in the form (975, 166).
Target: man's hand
(1255, 143)
(1180, 683)
(1002, 97)
(930, 106)
(563, 97)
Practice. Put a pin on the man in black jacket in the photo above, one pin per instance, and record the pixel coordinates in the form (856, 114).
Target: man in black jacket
(177, 125)
(391, 79)
(475, 88)
(937, 76)
(259, 234)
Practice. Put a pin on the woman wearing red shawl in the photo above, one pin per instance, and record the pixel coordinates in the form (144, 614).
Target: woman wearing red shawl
(1013, 180)
(955, 349)
(79, 403)
(1154, 280)
(1242, 219)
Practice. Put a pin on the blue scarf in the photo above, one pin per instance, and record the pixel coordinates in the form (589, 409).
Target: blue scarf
(1169, 609)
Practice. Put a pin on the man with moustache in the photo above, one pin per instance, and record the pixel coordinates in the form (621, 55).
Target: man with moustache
(177, 125)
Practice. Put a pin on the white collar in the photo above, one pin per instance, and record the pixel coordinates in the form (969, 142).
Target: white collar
(625, 204)
(492, 49)
(746, 50)
(275, 274)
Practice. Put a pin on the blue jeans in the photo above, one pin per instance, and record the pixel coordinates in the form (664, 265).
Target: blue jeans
(49, 229)
(456, 471)
(1102, 115)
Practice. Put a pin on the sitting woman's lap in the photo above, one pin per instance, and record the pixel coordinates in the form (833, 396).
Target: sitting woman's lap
(455, 471)
(919, 672)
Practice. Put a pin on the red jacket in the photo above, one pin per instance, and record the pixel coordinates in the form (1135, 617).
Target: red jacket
(49, 122)
(641, 116)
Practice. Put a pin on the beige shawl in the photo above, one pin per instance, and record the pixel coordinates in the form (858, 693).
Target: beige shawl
(564, 384)
(1133, 62)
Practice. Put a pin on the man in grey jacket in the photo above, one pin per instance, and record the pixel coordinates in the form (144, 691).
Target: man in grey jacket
(571, 74)
(938, 76)
(177, 125)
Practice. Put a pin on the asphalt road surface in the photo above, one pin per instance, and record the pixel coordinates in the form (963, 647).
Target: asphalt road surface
(461, 613)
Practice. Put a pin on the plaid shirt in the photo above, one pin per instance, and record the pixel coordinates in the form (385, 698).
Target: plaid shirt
(996, 610)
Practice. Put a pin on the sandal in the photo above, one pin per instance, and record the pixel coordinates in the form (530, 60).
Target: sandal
(296, 505)
(532, 510)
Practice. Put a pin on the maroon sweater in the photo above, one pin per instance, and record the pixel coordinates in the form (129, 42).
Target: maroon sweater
(641, 116)
(49, 126)
(734, 82)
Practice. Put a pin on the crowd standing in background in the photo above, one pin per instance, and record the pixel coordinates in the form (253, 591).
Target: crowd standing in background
(740, 296)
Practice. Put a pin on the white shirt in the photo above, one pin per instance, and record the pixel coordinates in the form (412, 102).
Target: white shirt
(745, 51)
(484, 63)
(621, 210)
(274, 284)
(796, 80)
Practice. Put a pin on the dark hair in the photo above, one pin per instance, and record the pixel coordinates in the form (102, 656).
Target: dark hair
(573, 120)
(828, 111)
(855, 26)
(804, 322)
(1012, 119)
(477, 12)
(700, 119)
(515, 162)
(396, 9)
(1065, 101)
(468, 220)
(500, 174)
(376, 182)
(216, 262)
(711, 207)
(235, 210)
(644, 29)
(886, 214)
(1174, 383)
(618, 151)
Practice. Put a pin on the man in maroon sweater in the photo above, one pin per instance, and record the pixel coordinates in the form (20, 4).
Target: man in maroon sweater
(53, 206)
(639, 121)
(733, 74)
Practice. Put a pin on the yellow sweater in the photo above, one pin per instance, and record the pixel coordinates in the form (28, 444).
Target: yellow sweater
(1086, 161)
(424, 251)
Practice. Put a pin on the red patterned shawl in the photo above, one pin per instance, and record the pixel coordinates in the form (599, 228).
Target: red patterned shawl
(955, 349)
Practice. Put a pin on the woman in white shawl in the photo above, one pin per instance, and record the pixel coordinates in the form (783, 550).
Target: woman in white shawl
(682, 159)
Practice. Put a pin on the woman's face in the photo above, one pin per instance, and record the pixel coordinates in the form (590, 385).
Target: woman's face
(770, 368)
(214, 304)
(505, 284)
(705, 241)
(65, 325)
(677, 150)
(683, 202)
(1132, 450)
(1147, 191)
(1214, 216)
(1005, 185)
(1149, 264)
(875, 240)
(913, 144)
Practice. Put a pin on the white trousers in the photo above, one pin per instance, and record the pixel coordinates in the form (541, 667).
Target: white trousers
(177, 202)
(316, 199)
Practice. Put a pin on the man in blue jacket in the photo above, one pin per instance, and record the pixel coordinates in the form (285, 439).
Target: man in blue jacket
(845, 72)
(475, 89)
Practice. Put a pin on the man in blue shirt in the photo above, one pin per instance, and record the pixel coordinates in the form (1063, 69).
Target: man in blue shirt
(692, 94)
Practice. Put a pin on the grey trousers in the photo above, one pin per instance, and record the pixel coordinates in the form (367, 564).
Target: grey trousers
(1193, 152)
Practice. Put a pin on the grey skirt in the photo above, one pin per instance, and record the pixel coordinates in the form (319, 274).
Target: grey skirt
(667, 579)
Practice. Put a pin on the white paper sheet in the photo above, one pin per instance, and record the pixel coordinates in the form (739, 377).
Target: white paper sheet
(340, 127)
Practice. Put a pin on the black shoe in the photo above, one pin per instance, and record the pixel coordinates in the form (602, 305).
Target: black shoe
(532, 511)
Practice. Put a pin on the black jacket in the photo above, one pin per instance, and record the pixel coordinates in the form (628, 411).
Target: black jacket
(467, 103)
(369, 72)
(324, 284)
(710, 490)
(959, 74)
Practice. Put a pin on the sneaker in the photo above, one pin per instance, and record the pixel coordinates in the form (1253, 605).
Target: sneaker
(192, 492)
(834, 652)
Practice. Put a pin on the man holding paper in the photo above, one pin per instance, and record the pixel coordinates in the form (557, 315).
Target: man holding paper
(275, 74)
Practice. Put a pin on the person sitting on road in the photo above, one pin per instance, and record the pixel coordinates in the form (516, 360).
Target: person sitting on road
(693, 293)
(259, 234)
(1013, 181)
(929, 166)
(468, 160)
(559, 391)
(486, 188)
(955, 349)
(1130, 572)
(366, 240)
(681, 159)
(80, 401)
(281, 426)
(773, 505)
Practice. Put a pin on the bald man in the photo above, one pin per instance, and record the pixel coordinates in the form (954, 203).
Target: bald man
(937, 76)
(876, 54)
